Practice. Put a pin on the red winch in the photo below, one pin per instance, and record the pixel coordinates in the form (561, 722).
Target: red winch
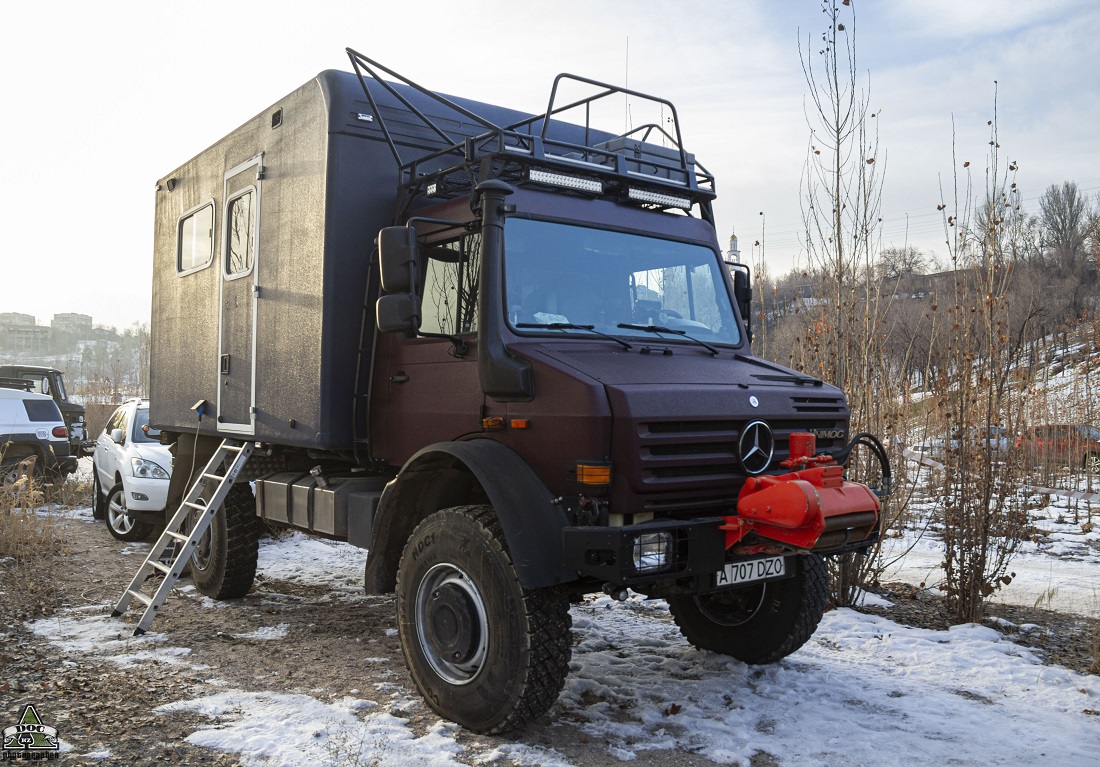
(796, 508)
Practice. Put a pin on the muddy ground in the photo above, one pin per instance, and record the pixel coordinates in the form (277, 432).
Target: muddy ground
(333, 648)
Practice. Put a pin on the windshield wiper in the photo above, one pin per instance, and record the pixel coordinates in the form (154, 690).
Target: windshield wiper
(571, 326)
(659, 329)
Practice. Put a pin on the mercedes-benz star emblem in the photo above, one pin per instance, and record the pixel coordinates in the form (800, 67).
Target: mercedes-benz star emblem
(754, 401)
(755, 447)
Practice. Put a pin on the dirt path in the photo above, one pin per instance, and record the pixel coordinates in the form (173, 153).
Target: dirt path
(305, 639)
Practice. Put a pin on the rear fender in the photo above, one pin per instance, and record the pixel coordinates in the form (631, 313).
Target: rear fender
(449, 474)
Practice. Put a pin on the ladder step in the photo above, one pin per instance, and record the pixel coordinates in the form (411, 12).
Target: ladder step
(158, 565)
(177, 536)
(218, 477)
(195, 505)
(140, 597)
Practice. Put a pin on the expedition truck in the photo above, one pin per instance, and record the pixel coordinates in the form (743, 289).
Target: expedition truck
(501, 352)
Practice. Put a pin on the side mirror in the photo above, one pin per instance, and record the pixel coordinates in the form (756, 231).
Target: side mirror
(398, 312)
(116, 436)
(398, 259)
(742, 293)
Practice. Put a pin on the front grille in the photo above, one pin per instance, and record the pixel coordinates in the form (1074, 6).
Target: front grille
(686, 453)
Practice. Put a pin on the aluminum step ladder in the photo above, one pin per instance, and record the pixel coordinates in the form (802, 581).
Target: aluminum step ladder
(174, 546)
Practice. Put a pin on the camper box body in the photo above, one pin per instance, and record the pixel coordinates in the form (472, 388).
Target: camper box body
(261, 259)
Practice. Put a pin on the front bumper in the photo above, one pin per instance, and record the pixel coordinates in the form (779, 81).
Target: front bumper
(145, 495)
(812, 510)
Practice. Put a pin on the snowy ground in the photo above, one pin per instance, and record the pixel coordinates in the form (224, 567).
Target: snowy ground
(863, 691)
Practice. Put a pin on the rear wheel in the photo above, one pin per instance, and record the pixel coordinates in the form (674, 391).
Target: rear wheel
(761, 623)
(223, 565)
(484, 651)
(119, 523)
(10, 472)
(99, 503)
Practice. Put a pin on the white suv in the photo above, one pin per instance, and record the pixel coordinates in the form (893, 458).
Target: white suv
(31, 424)
(130, 471)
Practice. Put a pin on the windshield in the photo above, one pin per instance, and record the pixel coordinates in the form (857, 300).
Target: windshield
(558, 274)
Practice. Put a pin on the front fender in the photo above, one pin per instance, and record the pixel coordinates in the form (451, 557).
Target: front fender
(449, 474)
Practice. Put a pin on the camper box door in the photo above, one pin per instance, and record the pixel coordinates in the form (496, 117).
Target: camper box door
(237, 322)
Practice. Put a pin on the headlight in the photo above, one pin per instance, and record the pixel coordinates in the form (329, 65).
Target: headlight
(652, 552)
(147, 469)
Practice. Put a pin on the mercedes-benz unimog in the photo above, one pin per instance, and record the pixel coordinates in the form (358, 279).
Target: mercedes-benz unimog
(503, 354)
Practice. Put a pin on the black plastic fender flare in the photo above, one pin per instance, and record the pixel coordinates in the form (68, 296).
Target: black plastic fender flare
(439, 476)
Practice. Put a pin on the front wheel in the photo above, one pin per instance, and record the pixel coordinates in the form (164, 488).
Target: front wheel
(1091, 464)
(761, 623)
(484, 651)
(119, 522)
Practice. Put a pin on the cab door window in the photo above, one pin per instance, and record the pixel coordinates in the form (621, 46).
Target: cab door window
(451, 274)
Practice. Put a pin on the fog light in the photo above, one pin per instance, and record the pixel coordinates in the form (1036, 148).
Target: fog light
(139, 496)
(652, 552)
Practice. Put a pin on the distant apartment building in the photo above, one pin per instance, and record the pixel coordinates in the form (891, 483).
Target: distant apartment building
(20, 335)
(76, 325)
(15, 318)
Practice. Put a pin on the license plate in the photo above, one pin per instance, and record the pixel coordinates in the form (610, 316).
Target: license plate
(747, 572)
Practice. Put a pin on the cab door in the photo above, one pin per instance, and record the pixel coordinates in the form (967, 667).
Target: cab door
(237, 304)
(425, 390)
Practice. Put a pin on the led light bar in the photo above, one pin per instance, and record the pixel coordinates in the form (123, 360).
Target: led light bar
(569, 182)
(657, 198)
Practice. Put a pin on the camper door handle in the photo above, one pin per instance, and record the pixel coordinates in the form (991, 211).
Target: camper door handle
(399, 378)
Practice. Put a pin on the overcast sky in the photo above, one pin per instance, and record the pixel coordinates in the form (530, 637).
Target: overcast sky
(102, 99)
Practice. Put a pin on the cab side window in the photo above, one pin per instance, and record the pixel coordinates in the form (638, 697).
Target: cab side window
(451, 273)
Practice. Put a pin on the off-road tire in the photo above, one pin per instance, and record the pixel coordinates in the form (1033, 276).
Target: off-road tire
(99, 501)
(516, 648)
(758, 624)
(123, 528)
(223, 565)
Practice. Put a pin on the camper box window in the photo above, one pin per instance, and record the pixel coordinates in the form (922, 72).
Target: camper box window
(240, 235)
(195, 248)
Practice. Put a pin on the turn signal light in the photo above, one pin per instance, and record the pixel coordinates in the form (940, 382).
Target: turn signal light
(594, 473)
(492, 424)
(60, 431)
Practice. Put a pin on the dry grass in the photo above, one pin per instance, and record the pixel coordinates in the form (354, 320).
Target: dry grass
(31, 541)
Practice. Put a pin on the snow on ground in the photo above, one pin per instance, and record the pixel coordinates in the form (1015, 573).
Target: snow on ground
(863, 691)
(1056, 569)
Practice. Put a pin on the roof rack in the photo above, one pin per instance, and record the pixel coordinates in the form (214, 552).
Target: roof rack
(23, 384)
(535, 152)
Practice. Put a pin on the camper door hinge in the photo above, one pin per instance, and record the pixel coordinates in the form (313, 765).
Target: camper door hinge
(256, 291)
(260, 172)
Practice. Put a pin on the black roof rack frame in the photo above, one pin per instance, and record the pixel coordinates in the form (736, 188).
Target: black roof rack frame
(625, 168)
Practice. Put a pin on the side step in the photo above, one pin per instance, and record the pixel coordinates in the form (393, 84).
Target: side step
(174, 546)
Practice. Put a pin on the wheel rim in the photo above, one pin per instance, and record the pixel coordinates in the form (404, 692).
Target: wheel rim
(733, 608)
(200, 557)
(116, 513)
(451, 624)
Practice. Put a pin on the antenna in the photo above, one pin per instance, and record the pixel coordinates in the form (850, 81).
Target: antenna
(626, 87)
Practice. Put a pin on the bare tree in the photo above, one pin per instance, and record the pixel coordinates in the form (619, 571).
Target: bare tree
(1064, 215)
